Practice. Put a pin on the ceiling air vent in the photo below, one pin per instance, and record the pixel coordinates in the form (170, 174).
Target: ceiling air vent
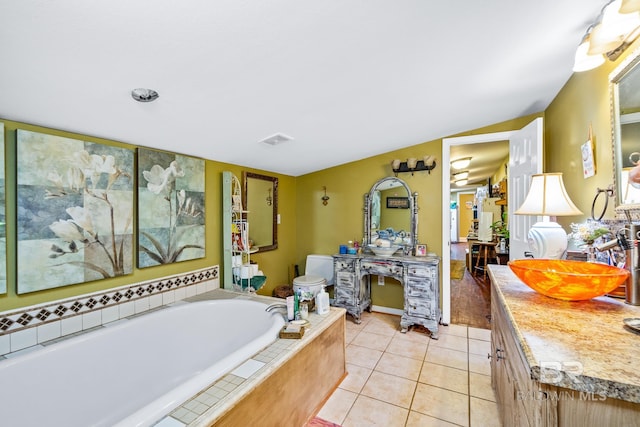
(276, 139)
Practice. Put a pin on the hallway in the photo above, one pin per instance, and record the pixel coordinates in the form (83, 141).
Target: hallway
(470, 296)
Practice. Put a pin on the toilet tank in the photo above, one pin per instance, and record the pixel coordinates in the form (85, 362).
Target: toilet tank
(320, 265)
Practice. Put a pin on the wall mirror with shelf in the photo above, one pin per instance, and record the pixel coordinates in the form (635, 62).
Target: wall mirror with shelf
(260, 200)
(624, 84)
(390, 205)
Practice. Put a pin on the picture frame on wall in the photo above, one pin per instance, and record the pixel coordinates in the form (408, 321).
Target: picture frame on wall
(171, 207)
(397, 202)
(74, 211)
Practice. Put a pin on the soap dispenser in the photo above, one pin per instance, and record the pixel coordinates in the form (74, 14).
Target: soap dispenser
(322, 302)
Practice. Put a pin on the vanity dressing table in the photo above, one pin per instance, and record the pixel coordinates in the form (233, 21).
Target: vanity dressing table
(418, 275)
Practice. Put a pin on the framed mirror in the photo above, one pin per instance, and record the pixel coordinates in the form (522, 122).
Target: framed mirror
(625, 126)
(391, 212)
(261, 201)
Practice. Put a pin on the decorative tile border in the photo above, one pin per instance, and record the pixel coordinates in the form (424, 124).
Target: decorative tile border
(29, 317)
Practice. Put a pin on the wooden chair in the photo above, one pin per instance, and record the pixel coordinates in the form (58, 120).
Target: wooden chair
(486, 251)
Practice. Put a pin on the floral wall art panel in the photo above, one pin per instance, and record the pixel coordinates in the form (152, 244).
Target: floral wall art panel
(170, 208)
(3, 219)
(75, 211)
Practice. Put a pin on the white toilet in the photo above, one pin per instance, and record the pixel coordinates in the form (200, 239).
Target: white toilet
(318, 272)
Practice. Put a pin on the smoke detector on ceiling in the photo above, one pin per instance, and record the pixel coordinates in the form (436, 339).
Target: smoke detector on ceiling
(276, 139)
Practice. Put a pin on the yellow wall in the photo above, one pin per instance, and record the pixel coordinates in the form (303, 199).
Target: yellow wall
(273, 263)
(584, 101)
(322, 228)
(465, 214)
(308, 226)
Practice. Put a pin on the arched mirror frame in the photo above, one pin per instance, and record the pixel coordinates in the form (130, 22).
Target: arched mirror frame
(413, 211)
(274, 205)
(617, 75)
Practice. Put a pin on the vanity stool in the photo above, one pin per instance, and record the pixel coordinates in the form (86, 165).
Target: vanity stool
(486, 251)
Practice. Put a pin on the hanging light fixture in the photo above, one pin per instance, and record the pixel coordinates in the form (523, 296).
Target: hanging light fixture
(629, 6)
(583, 61)
(617, 25)
(612, 30)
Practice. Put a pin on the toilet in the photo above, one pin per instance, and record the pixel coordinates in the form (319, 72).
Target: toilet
(318, 272)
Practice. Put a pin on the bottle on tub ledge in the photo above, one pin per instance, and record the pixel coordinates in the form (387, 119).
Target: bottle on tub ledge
(322, 302)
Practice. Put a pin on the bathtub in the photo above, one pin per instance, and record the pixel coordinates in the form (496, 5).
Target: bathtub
(133, 372)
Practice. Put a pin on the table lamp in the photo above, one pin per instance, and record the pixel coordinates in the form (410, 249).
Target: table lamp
(547, 197)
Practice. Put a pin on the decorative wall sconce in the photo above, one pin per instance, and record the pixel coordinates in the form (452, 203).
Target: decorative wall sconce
(414, 165)
(617, 26)
(269, 198)
(325, 198)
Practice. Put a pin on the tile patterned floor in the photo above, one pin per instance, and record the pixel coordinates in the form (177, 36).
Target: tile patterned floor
(409, 380)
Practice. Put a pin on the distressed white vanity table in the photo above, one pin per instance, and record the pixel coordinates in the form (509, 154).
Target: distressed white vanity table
(396, 222)
(418, 276)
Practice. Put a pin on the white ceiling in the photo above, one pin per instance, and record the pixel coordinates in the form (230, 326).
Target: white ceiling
(346, 79)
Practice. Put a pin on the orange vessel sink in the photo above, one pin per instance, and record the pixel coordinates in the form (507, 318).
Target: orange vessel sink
(568, 280)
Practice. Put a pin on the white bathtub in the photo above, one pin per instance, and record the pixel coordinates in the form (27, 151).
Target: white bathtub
(136, 371)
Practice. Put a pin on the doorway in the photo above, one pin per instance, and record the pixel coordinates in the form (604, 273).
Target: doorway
(525, 159)
(447, 143)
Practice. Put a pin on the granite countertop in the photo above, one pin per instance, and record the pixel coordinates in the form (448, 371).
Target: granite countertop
(579, 345)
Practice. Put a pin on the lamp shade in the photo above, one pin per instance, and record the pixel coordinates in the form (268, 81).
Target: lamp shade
(547, 196)
(630, 6)
(583, 61)
(613, 29)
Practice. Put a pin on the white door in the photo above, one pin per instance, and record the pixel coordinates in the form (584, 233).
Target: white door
(525, 159)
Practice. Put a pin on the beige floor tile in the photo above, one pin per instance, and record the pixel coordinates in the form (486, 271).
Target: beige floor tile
(383, 326)
(408, 347)
(479, 347)
(399, 366)
(459, 330)
(368, 412)
(370, 340)
(350, 334)
(479, 334)
(452, 342)
(362, 356)
(444, 356)
(479, 364)
(415, 334)
(338, 405)
(389, 388)
(356, 377)
(416, 419)
(484, 413)
(480, 386)
(442, 404)
(445, 377)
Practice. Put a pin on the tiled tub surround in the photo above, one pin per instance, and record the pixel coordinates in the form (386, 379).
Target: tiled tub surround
(27, 327)
(285, 384)
(161, 359)
(250, 385)
(574, 347)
